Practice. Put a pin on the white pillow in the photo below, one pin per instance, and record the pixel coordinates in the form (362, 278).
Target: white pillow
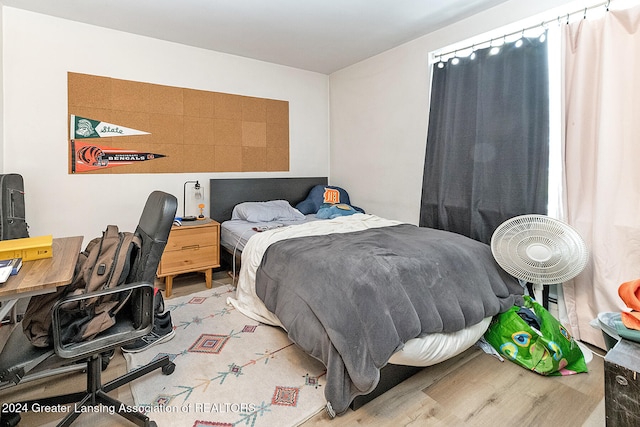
(436, 348)
(274, 210)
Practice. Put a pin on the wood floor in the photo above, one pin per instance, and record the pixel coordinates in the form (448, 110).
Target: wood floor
(472, 389)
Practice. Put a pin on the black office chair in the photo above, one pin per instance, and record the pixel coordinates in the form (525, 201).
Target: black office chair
(154, 226)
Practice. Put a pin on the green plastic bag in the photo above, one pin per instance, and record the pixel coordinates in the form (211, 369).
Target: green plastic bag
(549, 350)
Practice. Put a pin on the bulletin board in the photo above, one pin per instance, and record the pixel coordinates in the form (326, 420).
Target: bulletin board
(122, 126)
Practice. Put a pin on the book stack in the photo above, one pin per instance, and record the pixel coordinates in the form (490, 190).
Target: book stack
(9, 267)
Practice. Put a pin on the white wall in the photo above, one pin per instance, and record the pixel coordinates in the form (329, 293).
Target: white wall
(379, 111)
(40, 50)
(378, 114)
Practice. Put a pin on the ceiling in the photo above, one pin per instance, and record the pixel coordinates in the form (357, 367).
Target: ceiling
(316, 35)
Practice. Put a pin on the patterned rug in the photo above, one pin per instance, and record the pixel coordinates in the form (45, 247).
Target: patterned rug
(230, 370)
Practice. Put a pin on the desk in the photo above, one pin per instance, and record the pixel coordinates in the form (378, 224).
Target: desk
(43, 275)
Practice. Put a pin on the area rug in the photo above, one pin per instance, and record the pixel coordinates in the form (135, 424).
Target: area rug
(230, 370)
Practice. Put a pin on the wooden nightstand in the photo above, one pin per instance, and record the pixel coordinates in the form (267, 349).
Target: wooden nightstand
(191, 247)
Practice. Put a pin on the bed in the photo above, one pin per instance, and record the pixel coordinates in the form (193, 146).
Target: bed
(225, 194)
(375, 300)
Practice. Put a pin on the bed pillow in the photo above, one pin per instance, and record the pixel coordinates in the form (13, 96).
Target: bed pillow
(321, 194)
(274, 210)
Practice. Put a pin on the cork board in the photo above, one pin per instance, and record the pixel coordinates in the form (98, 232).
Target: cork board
(178, 129)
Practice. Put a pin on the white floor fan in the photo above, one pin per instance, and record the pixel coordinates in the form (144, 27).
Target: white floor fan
(540, 250)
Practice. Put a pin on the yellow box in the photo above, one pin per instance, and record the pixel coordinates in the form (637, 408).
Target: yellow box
(29, 248)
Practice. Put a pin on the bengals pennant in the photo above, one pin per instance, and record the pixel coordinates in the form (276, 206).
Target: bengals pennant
(82, 127)
(88, 157)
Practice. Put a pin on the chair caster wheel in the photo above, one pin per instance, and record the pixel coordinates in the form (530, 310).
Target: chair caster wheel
(9, 419)
(168, 369)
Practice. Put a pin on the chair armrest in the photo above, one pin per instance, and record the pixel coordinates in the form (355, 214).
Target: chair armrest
(129, 325)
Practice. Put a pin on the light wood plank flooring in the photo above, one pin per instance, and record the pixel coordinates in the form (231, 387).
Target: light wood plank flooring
(472, 389)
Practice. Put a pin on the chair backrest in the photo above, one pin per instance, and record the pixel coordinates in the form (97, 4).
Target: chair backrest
(153, 228)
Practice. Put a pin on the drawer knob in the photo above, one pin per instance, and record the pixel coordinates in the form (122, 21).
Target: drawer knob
(191, 247)
(621, 380)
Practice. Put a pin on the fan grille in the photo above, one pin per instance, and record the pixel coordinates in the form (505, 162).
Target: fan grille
(539, 249)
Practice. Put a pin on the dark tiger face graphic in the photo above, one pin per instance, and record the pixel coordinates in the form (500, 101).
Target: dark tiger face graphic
(92, 156)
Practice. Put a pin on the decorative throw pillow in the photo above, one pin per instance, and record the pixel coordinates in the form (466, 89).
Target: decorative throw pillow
(321, 194)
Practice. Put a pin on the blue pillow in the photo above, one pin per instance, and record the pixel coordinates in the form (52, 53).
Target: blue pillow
(321, 194)
(329, 211)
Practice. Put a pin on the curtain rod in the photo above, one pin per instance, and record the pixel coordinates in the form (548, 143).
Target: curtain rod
(533, 27)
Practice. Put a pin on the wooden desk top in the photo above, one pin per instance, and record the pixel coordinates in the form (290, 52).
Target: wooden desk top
(44, 275)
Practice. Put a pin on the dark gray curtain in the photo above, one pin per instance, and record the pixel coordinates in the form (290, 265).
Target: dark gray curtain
(487, 156)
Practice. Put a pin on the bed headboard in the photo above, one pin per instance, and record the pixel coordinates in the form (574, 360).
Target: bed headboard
(224, 194)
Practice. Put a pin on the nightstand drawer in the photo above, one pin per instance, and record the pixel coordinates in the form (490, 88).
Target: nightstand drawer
(190, 258)
(190, 238)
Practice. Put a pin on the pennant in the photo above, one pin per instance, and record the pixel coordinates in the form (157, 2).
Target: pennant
(88, 157)
(82, 128)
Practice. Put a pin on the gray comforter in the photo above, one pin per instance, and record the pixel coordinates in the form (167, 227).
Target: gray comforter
(351, 300)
